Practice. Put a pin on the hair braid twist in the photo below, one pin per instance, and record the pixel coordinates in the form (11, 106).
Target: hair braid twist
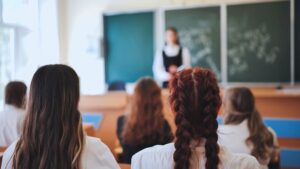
(195, 99)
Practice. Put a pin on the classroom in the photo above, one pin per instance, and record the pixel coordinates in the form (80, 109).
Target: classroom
(143, 84)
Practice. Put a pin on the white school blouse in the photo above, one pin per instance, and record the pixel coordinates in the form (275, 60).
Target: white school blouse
(95, 155)
(159, 71)
(11, 120)
(234, 137)
(161, 157)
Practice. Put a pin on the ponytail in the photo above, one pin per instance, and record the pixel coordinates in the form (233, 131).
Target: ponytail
(260, 137)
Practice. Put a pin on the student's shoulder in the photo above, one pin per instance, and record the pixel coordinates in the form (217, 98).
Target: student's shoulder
(7, 156)
(94, 143)
(94, 146)
(231, 128)
(157, 156)
(237, 160)
(225, 129)
(158, 150)
(97, 154)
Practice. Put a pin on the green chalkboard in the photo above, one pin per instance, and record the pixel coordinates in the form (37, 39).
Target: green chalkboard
(199, 31)
(129, 46)
(297, 40)
(259, 42)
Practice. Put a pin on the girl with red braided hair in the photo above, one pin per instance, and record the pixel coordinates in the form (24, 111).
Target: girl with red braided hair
(195, 101)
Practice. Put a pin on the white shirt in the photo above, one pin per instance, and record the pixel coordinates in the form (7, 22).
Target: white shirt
(234, 137)
(159, 70)
(161, 157)
(11, 121)
(95, 155)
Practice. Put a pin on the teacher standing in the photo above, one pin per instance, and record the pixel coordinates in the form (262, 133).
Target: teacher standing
(170, 58)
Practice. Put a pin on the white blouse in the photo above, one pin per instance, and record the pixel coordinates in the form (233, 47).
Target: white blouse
(11, 120)
(95, 155)
(161, 157)
(234, 137)
(159, 70)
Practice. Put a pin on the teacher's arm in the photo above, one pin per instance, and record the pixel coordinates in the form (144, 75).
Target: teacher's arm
(186, 58)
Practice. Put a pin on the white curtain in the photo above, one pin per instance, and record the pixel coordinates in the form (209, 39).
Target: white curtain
(36, 30)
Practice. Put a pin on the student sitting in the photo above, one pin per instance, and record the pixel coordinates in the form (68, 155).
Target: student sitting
(195, 101)
(244, 130)
(145, 126)
(12, 117)
(52, 136)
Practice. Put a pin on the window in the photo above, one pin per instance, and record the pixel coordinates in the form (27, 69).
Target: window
(7, 47)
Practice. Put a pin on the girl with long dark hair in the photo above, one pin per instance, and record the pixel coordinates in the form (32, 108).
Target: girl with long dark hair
(144, 126)
(52, 136)
(244, 130)
(195, 101)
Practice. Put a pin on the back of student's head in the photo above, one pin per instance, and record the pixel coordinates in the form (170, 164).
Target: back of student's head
(145, 121)
(195, 100)
(239, 105)
(15, 94)
(52, 136)
(239, 102)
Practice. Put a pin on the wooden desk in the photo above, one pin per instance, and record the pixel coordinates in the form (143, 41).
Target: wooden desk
(111, 105)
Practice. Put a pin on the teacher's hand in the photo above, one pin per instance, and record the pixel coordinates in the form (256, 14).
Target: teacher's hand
(172, 69)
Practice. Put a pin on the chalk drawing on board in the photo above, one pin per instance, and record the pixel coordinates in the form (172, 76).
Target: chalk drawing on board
(199, 41)
(250, 43)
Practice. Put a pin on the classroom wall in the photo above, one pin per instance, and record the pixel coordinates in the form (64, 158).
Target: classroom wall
(80, 24)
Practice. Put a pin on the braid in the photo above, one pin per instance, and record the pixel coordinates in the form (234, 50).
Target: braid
(195, 99)
(211, 102)
(183, 151)
(211, 146)
(183, 134)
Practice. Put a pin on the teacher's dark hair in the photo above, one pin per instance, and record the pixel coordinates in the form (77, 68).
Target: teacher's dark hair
(174, 30)
(15, 94)
(52, 135)
(195, 99)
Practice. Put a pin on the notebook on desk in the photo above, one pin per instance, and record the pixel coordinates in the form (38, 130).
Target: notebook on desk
(92, 118)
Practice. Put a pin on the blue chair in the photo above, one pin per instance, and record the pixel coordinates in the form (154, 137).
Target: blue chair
(117, 86)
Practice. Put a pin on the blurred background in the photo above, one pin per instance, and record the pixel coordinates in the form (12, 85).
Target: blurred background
(223, 35)
(254, 43)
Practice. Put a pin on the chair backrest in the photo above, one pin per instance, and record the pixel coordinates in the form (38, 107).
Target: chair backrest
(117, 86)
(125, 166)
